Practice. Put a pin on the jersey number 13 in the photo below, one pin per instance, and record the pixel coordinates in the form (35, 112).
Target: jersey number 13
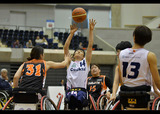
(134, 69)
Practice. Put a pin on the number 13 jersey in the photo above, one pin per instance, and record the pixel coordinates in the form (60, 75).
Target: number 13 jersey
(33, 74)
(134, 66)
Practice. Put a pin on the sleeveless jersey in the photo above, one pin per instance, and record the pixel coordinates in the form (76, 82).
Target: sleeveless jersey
(95, 85)
(33, 74)
(134, 66)
(77, 74)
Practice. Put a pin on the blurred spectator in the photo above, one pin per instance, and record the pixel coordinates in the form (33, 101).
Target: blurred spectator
(44, 43)
(80, 45)
(16, 44)
(38, 40)
(4, 74)
(158, 26)
(29, 44)
(62, 82)
(4, 84)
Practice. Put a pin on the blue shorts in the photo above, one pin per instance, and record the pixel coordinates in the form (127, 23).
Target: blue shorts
(78, 95)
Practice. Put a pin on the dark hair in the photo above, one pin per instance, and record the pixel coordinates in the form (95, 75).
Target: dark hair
(35, 53)
(95, 65)
(77, 50)
(142, 35)
(123, 45)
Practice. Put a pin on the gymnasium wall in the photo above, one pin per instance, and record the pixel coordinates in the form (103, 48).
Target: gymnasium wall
(36, 15)
(115, 35)
(131, 14)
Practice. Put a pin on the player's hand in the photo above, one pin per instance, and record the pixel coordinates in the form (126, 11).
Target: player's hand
(112, 98)
(92, 23)
(73, 28)
(108, 94)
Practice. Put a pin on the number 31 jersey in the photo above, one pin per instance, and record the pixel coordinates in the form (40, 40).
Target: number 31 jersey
(134, 66)
(33, 74)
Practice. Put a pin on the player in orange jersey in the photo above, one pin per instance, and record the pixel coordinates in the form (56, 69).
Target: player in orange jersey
(33, 72)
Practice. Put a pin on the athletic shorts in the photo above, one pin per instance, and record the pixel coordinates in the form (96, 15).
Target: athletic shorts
(78, 95)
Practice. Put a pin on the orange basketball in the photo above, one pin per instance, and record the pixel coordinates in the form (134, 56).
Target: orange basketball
(79, 15)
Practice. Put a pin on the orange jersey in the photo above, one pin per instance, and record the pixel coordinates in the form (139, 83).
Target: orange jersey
(33, 74)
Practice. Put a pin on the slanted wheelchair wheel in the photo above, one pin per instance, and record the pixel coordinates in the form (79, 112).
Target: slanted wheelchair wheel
(116, 105)
(156, 104)
(8, 105)
(92, 102)
(47, 104)
(3, 98)
(102, 102)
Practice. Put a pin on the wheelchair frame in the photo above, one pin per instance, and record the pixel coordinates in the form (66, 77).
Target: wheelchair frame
(45, 103)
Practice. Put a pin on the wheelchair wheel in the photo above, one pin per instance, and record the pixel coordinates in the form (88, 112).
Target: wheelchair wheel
(92, 102)
(59, 102)
(156, 104)
(47, 104)
(9, 104)
(116, 105)
(3, 98)
(102, 102)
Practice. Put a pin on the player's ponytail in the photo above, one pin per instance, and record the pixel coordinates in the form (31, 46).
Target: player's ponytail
(35, 53)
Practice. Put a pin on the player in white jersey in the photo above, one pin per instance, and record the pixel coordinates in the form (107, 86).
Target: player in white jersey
(78, 69)
(134, 67)
(137, 65)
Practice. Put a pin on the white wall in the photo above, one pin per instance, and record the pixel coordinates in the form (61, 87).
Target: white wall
(154, 23)
(101, 16)
(63, 18)
(131, 14)
(36, 15)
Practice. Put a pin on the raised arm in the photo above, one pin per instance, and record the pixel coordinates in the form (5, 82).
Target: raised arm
(115, 84)
(90, 44)
(73, 29)
(56, 65)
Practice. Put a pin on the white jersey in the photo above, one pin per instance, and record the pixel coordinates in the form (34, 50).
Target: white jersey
(134, 66)
(77, 74)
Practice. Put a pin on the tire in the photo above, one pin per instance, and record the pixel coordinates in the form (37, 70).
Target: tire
(156, 104)
(101, 99)
(116, 105)
(93, 102)
(3, 98)
(47, 104)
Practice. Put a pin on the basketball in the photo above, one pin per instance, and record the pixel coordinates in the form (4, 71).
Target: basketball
(79, 15)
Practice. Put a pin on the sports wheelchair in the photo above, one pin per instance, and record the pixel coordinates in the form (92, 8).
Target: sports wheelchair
(4, 96)
(141, 99)
(29, 99)
(101, 104)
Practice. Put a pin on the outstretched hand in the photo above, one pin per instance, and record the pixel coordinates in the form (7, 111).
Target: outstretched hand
(73, 28)
(92, 23)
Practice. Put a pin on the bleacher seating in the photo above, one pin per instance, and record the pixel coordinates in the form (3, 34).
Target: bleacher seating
(8, 37)
(62, 37)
